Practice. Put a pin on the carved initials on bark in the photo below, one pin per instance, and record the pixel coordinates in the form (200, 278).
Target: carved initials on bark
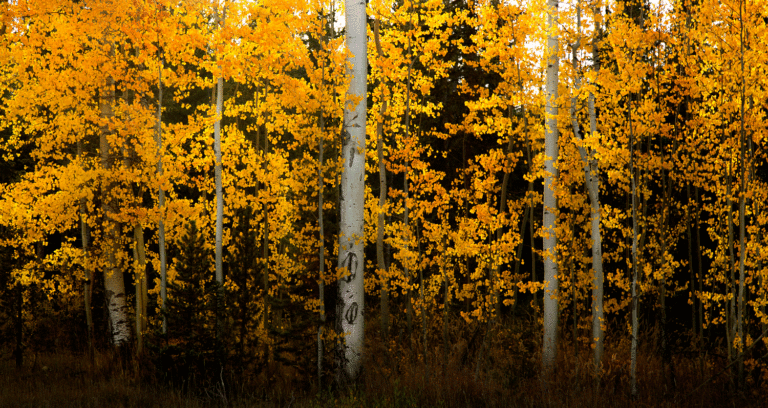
(351, 314)
(351, 263)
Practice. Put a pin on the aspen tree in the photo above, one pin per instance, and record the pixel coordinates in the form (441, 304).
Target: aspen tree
(327, 26)
(634, 310)
(742, 198)
(220, 21)
(551, 312)
(593, 188)
(382, 198)
(113, 279)
(88, 281)
(140, 283)
(592, 178)
(350, 308)
(161, 195)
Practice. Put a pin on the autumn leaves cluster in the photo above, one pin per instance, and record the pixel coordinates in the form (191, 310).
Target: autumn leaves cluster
(107, 104)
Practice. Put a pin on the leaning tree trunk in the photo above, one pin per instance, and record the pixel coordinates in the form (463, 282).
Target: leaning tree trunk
(551, 312)
(349, 310)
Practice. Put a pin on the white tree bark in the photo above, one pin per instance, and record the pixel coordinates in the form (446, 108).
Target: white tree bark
(382, 200)
(349, 310)
(551, 312)
(742, 206)
(113, 276)
(592, 178)
(86, 265)
(217, 169)
(139, 257)
(635, 320)
(161, 196)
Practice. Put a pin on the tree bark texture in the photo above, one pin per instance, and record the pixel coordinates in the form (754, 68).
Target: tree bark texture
(551, 312)
(349, 310)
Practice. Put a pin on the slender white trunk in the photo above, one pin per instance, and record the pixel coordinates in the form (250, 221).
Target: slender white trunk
(114, 286)
(321, 238)
(350, 306)
(217, 172)
(113, 276)
(551, 312)
(161, 196)
(742, 207)
(382, 202)
(86, 266)
(592, 178)
(140, 283)
(635, 322)
(217, 169)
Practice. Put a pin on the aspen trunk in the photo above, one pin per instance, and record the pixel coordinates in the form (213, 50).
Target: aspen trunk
(551, 312)
(592, 178)
(593, 188)
(161, 199)
(140, 284)
(87, 285)
(692, 289)
(219, 192)
(742, 208)
(531, 224)
(502, 209)
(445, 303)
(700, 271)
(350, 306)
(265, 257)
(633, 191)
(321, 237)
(382, 203)
(731, 310)
(406, 221)
(113, 277)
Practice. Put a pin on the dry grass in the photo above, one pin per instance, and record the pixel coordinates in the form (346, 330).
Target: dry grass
(497, 369)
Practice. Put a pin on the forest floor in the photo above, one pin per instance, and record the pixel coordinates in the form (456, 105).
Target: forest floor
(68, 380)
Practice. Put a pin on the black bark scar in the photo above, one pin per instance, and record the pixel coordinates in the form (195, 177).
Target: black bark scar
(351, 263)
(351, 314)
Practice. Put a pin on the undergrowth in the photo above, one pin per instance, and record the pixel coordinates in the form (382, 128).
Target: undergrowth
(488, 365)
